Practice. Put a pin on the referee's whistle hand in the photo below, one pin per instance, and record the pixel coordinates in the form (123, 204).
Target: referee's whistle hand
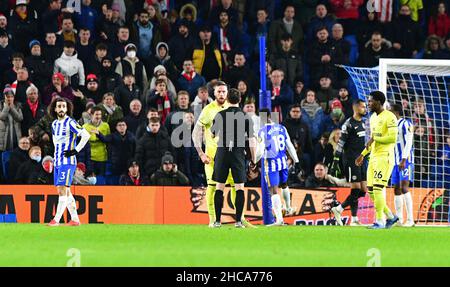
(359, 160)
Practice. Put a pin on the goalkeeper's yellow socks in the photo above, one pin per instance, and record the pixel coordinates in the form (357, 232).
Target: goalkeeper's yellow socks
(210, 190)
(380, 204)
(72, 206)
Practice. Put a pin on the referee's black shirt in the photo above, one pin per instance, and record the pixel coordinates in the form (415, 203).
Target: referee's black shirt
(233, 127)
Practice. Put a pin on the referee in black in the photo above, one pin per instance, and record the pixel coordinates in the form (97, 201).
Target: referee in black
(231, 127)
(350, 145)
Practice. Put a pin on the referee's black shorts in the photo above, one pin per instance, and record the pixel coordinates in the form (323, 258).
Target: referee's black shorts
(354, 173)
(226, 160)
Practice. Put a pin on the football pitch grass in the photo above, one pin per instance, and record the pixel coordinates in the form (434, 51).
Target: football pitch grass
(195, 245)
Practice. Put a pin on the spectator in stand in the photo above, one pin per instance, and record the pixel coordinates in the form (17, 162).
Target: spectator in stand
(224, 5)
(299, 91)
(347, 13)
(300, 136)
(108, 79)
(374, 50)
(228, 37)
(188, 15)
(39, 69)
(330, 148)
(152, 146)
(92, 90)
(45, 145)
(246, 94)
(6, 51)
(79, 177)
(146, 34)
(189, 80)
(346, 101)
(121, 144)
(23, 24)
(325, 94)
(434, 48)
(107, 27)
(305, 10)
(420, 118)
(162, 58)
(260, 28)
(160, 72)
(88, 17)
(51, 50)
(281, 27)
(422, 153)
(18, 156)
(10, 120)
(182, 44)
(85, 49)
(175, 118)
(367, 27)
(439, 23)
(161, 99)
(126, 92)
(111, 112)
(133, 177)
(342, 44)
(151, 113)
(69, 65)
(135, 116)
(17, 61)
(50, 18)
(99, 153)
(288, 60)
(282, 94)
(312, 114)
(67, 32)
(336, 117)
(32, 110)
(207, 57)
(321, 178)
(240, 71)
(405, 34)
(31, 165)
(131, 64)
(249, 108)
(21, 85)
(168, 174)
(321, 19)
(122, 39)
(323, 57)
(416, 7)
(44, 175)
(201, 100)
(319, 148)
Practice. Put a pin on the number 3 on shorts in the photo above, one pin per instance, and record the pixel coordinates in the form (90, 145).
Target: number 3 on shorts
(63, 175)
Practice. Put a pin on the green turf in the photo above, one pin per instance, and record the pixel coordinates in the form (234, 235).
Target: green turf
(189, 245)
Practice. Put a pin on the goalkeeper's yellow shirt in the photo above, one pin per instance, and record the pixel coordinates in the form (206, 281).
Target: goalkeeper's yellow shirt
(206, 119)
(383, 129)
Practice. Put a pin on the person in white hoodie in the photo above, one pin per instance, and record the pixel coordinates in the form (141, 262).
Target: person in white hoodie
(69, 65)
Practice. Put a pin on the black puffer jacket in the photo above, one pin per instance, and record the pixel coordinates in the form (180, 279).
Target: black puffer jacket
(150, 150)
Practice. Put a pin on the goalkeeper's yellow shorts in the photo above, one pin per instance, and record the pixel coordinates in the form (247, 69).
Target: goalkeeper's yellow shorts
(379, 170)
(209, 169)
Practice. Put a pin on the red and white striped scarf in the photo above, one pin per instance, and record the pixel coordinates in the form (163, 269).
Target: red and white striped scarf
(224, 44)
(277, 109)
(384, 10)
(163, 104)
(188, 76)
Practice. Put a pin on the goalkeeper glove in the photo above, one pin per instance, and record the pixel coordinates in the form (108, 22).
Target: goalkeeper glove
(69, 153)
(335, 169)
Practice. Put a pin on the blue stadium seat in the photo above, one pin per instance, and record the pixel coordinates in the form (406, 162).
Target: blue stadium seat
(5, 163)
(354, 53)
(101, 180)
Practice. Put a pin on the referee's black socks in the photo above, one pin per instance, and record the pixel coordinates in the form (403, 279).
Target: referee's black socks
(218, 203)
(239, 204)
(352, 201)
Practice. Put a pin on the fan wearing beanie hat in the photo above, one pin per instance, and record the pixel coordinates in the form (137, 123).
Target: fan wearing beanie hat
(131, 64)
(168, 174)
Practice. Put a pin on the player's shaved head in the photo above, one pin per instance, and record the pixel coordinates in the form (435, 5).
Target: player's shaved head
(359, 108)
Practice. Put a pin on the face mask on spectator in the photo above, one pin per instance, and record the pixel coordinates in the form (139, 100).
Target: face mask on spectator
(48, 166)
(36, 158)
(131, 54)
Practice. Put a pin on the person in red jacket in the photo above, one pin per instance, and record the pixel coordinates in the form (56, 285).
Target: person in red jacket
(439, 23)
(347, 11)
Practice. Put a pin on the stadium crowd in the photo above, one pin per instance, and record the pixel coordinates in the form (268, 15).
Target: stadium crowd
(137, 71)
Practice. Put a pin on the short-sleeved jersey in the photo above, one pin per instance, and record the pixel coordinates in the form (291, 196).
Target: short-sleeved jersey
(352, 140)
(379, 126)
(206, 120)
(405, 134)
(65, 133)
(275, 137)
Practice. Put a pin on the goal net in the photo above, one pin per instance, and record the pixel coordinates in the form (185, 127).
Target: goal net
(421, 87)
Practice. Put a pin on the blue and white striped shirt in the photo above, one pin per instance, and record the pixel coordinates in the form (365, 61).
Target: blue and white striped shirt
(404, 146)
(65, 133)
(274, 138)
